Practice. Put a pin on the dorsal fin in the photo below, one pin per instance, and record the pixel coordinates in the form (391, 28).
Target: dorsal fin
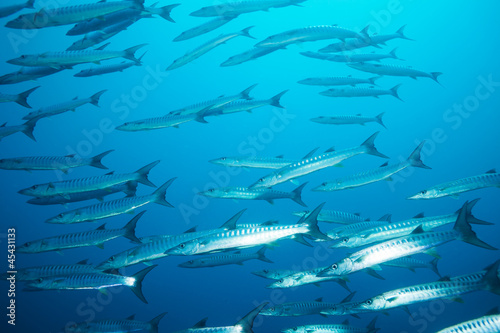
(246, 322)
(346, 322)
(75, 98)
(385, 164)
(493, 311)
(310, 154)
(320, 299)
(418, 230)
(348, 298)
(231, 223)
(357, 214)
(280, 156)
(102, 47)
(3, 125)
(445, 278)
(131, 317)
(202, 323)
(491, 171)
(109, 173)
(386, 217)
(102, 227)
(193, 229)
(70, 156)
(83, 262)
(419, 216)
(329, 150)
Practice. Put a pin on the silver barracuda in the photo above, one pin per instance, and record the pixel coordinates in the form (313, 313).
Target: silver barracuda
(204, 28)
(250, 237)
(256, 225)
(11, 9)
(21, 99)
(357, 227)
(112, 208)
(334, 216)
(393, 70)
(66, 187)
(71, 14)
(28, 74)
(244, 325)
(207, 47)
(312, 164)
(417, 242)
(303, 278)
(385, 171)
(488, 323)
(251, 54)
(266, 194)
(362, 92)
(64, 107)
(62, 163)
(274, 274)
(345, 327)
(413, 263)
(117, 325)
(452, 189)
(26, 128)
(248, 106)
(34, 273)
(235, 258)
(345, 307)
(67, 59)
(357, 119)
(295, 309)
(338, 81)
(96, 37)
(106, 69)
(91, 281)
(311, 34)
(236, 8)
(351, 57)
(95, 237)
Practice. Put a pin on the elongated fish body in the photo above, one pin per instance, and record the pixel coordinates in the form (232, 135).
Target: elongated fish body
(242, 105)
(128, 188)
(236, 258)
(486, 324)
(111, 208)
(337, 81)
(64, 107)
(316, 163)
(66, 187)
(106, 69)
(334, 216)
(169, 120)
(295, 309)
(350, 57)
(95, 237)
(353, 228)
(116, 325)
(100, 36)
(328, 328)
(204, 28)
(256, 162)
(392, 70)
(236, 8)
(274, 274)
(343, 309)
(454, 188)
(413, 263)
(26, 128)
(361, 92)
(71, 14)
(34, 273)
(251, 54)
(21, 99)
(69, 58)
(349, 120)
(9, 10)
(303, 278)
(207, 47)
(28, 74)
(62, 163)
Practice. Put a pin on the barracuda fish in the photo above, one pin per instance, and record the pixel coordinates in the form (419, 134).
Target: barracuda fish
(129, 188)
(417, 242)
(169, 120)
(204, 28)
(91, 281)
(21, 99)
(452, 189)
(354, 228)
(361, 92)
(266, 194)
(256, 225)
(412, 263)
(241, 7)
(26, 128)
(34, 273)
(334, 216)
(11, 9)
(334, 328)
(96, 37)
(248, 106)
(117, 325)
(385, 171)
(72, 105)
(310, 165)
(133, 15)
(243, 238)
(393, 70)
(277, 162)
(244, 325)
(28, 74)
(352, 57)
(112, 208)
(488, 323)
(71, 14)
(66, 187)
(106, 69)
(236, 258)
(345, 307)
(274, 274)
(154, 247)
(338, 81)
(251, 54)
(303, 278)
(207, 47)
(67, 59)
(350, 120)
(295, 309)
(95, 237)
(375, 41)
(430, 291)
(62, 163)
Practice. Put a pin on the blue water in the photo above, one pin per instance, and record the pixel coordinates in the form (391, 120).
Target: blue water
(457, 39)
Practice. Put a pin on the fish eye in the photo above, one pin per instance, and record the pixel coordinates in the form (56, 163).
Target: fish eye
(335, 266)
(190, 261)
(223, 158)
(182, 245)
(261, 180)
(112, 258)
(34, 187)
(345, 240)
(27, 244)
(266, 271)
(281, 281)
(211, 190)
(295, 328)
(324, 184)
(423, 192)
(272, 309)
(40, 280)
(369, 302)
(23, 56)
(60, 215)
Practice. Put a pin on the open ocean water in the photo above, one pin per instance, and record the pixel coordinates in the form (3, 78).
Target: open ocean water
(458, 118)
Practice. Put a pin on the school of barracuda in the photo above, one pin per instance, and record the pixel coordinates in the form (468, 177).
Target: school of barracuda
(384, 242)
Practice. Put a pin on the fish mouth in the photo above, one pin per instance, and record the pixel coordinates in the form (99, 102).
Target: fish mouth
(413, 197)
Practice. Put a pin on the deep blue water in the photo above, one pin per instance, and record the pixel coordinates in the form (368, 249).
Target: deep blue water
(458, 39)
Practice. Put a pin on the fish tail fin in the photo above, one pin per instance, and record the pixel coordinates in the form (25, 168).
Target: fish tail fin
(245, 93)
(414, 158)
(129, 53)
(369, 145)
(142, 174)
(312, 221)
(466, 234)
(262, 255)
(30, 4)
(401, 33)
(22, 98)
(246, 323)
(200, 115)
(393, 54)
(394, 92)
(131, 189)
(297, 195)
(137, 286)
(364, 33)
(96, 160)
(94, 99)
(491, 280)
(342, 281)
(129, 228)
(29, 126)
(160, 193)
(434, 266)
(375, 78)
(246, 32)
(471, 218)
(139, 63)
(435, 75)
(371, 326)
(153, 323)
(165, 12)
(275, 100)
(139, 3)
(379, 119)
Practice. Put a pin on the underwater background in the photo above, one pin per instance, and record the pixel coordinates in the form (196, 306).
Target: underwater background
(458, 39)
